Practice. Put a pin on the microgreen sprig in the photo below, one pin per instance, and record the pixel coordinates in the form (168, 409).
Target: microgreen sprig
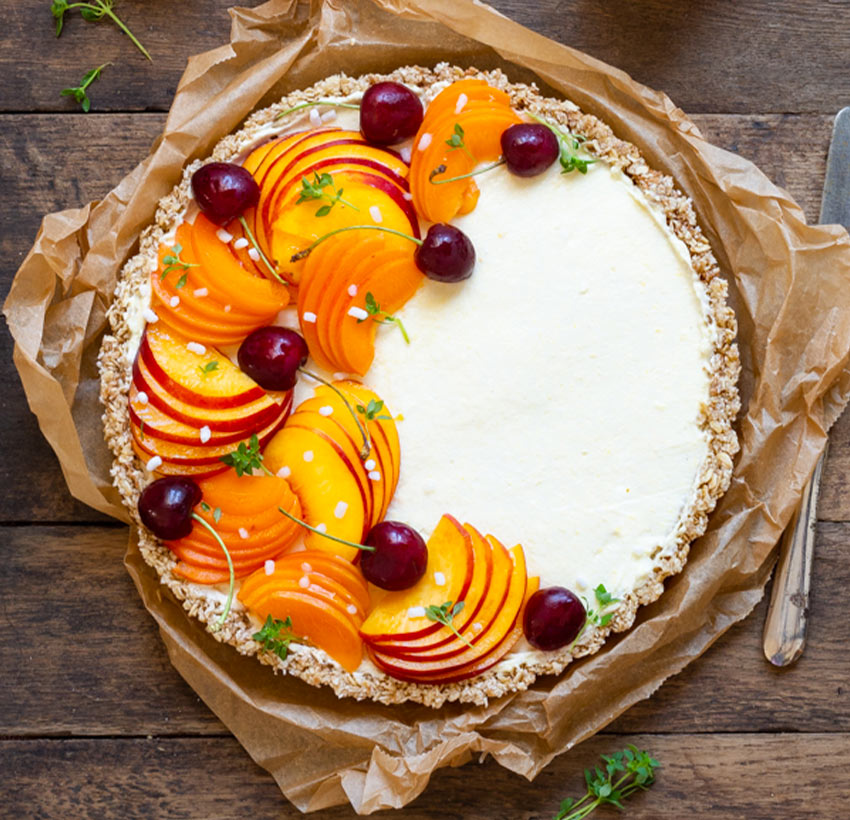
(209, 367)
(275, 636)
(444, 614)
(246, 458)
(316, 189)
(601, 616)
(78, 92)
(636, 770)
(93, 12)
(372, 410)
(456, 140)
(302, 106)
(569, 145)
(382, 317)
(173, 262)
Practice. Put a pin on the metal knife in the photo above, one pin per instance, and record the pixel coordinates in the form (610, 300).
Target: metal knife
(785, 626)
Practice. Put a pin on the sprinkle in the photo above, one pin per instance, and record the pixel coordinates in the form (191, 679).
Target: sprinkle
(310, 317)
(200, 292)
(340, 509)
(194, 347)
(405, 154)
(303, 582)
(329, 116)
(581, 581)
(308, 455)
(439, 579)
(227, 308)
(205, 434)
(462, 100)
(315, 118)
(375, 213)
(352, 290)
(174, 301)
(155, 462)
(321, 528)
(358, 313)
(370, 464)
(375, 475)
(416, 612)
(150, 316)
(224, 236)
(407, 196)
(241, 243)
(284, 472)
(142, 397)
(338, 376)
(351, 609)
(254, 254)
(244, 534)
(424, 142)
(305, 567)
(477, 626)
(326, 410)
(269, 567)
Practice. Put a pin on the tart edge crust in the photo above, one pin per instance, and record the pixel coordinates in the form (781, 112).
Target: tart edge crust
(311, 664)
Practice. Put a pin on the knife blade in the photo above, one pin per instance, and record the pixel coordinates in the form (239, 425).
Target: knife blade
(784, 636)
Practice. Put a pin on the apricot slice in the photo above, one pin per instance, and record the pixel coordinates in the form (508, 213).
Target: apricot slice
(320, 622)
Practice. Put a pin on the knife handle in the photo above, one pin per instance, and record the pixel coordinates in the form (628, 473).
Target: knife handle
(785, 626)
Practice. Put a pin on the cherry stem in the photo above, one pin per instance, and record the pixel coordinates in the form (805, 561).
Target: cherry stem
(304, 524)
(259, 250)
(223, 617)
(302, 106)
(441, 169)
(364, 430)
(303, 254)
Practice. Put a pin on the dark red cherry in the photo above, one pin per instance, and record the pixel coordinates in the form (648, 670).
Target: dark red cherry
(446, 254)
(224, 191)
(553, 618)
(399, 558)
(529, 148)
(165, 506)
(389, 113)
(271, 356)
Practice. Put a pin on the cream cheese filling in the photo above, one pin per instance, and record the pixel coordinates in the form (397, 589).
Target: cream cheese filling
(553, 399)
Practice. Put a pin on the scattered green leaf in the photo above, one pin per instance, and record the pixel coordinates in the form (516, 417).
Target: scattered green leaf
(569, 145)
(445, 614)
(246, 458)
(371, 411)
(173, 262)
(316, 189)
(456, 140)
(93, 12)
(79, 92)
(275, 636)
(600, 616)
(382, 317)
(208, 368)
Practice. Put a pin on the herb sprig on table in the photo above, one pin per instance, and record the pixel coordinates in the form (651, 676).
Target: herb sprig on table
(93, 12)
(78, 92)
(625, 773)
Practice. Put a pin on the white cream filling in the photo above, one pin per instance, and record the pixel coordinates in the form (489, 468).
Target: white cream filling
(553, 398)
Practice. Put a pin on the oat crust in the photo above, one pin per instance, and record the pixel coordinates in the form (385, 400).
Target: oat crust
(510, 675)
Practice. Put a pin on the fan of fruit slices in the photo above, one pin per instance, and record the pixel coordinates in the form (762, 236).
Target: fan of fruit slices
(287, 506)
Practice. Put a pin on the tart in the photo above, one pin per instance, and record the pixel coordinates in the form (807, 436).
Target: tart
(572, 398)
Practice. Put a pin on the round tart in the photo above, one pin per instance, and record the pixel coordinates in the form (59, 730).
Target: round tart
(571, 395)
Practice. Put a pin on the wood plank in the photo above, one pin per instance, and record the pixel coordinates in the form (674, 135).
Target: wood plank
(83, 657)
(40, 173)
(727, 57)
(721, 777)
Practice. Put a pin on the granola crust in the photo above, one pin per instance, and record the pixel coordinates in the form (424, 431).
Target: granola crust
(515, 672)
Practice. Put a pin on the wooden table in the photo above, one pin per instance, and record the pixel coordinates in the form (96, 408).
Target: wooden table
(94, 722)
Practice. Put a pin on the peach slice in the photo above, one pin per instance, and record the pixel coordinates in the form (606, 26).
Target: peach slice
(208, 378)
(242, 418)
(166, 468)
(317, 583)
(317, 620)
(450, 561)
(326, 487)
(472, 89)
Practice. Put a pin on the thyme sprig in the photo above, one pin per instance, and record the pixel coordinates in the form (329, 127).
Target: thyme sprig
(78, 92)
(93, 12)
(275, 636)
(382, 317)
(444, 614)
(569, 145)
(173, 262)
(371, 411)
(456, 140)
(316, 189)
(625, 772)
(246, 458)
(209, 367)
(602, 615)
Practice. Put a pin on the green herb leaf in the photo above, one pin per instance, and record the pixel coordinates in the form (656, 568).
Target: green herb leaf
(372, 410)
(275, 636)
(79, 92)
(604, 601)
(445, 614)
(205, 507)
(208, 368)
(246, 458)
(316, 189)
(217, 514)
(380, 316)
(173, 262)
(93, 12)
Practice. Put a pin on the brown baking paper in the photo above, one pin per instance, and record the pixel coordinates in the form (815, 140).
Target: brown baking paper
(789, 283)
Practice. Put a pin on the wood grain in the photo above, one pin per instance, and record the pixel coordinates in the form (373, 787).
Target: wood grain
(113, 676)
(704, 777)
(40, 174)
(724, 56)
